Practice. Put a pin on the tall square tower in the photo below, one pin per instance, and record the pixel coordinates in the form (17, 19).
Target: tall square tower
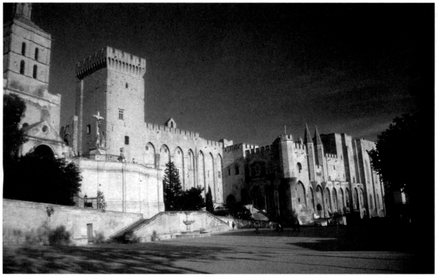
(110, 101)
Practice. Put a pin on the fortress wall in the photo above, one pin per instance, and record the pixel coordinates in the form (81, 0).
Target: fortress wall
(21, 219)
(199, 161)
(126, 187)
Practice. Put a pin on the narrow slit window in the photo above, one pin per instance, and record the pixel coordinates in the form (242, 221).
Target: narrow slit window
(35, 71)
(126, 140)
(22, 64)
(23, 49)
(36, 54)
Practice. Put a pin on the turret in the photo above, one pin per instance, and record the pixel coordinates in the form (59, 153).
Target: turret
(287, 156)
(310, 154)
(320, 152)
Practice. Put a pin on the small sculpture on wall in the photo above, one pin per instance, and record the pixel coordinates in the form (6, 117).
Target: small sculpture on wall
(99, 138)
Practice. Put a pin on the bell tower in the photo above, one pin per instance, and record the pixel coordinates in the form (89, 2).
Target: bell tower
(23, 10)
(26, 66)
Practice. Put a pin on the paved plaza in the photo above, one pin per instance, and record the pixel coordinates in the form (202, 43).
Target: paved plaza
(314, 250)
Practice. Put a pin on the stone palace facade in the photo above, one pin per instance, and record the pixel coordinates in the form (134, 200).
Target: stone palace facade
(122, 155)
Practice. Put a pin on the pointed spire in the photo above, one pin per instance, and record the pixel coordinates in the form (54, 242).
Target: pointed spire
(318, 138)
(307, 138)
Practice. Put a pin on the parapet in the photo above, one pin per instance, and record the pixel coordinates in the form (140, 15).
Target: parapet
(109, 57)
(233, 147)
(331, 156)
(162, 128)
(286, 137)
(300, 145)
(194, 135)
(263, 150)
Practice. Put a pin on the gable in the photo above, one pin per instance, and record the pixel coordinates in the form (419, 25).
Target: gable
(42, 130)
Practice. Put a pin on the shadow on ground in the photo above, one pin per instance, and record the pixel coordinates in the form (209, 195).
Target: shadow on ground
(345, 238)
(134, 258)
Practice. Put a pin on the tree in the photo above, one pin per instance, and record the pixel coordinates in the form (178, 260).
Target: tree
(404, 167)
(209, 201)
(101, 203)
(44, 179)
(192, 200)
(390, 156)
(175, 199)
(13, 137)
(171, 187)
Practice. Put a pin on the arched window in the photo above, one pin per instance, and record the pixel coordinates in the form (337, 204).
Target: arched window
(36, 54)
(356, 198)
(301, 194)
(299, 167)
(35, 71)
(22, 65)
(312, 197)
(23, 49)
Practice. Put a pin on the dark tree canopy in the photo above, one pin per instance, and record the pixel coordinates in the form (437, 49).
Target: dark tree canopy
(192, 200)
(402, 158)
(43, 179)
(13, 111)
(392, 155)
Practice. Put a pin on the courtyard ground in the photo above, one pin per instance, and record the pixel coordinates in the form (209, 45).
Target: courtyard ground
(313, 250)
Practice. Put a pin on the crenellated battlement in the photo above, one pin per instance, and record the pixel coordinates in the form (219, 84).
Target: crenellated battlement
(233, 147)
(162, 128)
(299, 145)
(195, 135)
(109, 57)
(286, 137)
(263, 150)
(214, 143)
(331, 156)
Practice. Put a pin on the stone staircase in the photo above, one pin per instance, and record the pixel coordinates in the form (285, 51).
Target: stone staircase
(171, 225)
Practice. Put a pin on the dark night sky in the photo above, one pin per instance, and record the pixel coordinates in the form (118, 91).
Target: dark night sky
(243, 71)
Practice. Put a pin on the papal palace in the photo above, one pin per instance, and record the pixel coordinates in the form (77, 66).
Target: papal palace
(123, 155)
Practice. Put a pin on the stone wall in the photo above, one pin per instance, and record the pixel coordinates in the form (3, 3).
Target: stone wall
(127, 187)
(21, 219)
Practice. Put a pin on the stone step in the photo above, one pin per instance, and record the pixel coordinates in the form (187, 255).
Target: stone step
(192, 235)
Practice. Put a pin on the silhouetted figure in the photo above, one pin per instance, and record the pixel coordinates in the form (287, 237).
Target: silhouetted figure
(296, 225)
(233, 225)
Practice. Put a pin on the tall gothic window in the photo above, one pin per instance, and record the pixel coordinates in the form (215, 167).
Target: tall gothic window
(35, 71)
(23, 49)
(22, 64)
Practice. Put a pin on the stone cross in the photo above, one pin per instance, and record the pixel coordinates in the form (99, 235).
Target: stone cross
(98, 119)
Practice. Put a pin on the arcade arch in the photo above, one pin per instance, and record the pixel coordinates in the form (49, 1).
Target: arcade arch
(301, 194)
(164, 156)
(149, 157)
